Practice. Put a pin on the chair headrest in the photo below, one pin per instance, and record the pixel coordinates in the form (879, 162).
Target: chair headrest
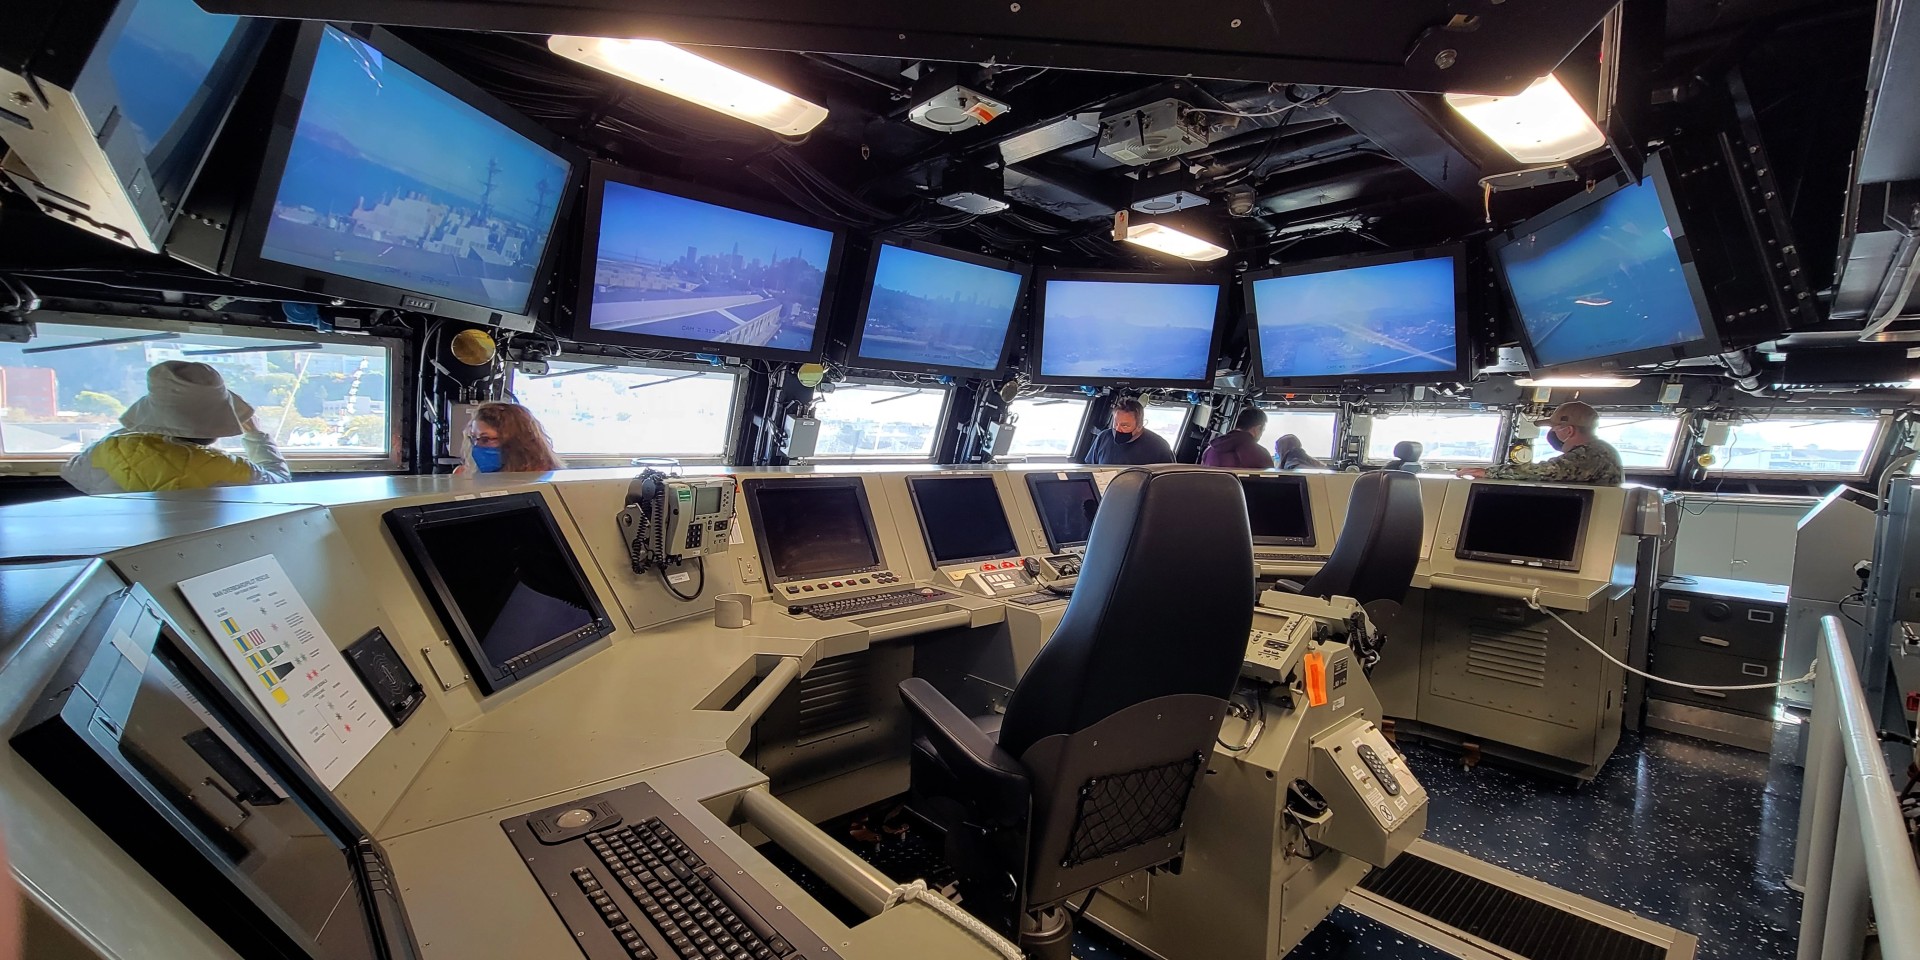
(1408, 450)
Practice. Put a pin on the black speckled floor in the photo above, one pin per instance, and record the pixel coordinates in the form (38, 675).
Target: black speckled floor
(1683, 832)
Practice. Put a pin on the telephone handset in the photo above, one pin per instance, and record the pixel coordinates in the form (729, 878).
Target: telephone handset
(669, 520)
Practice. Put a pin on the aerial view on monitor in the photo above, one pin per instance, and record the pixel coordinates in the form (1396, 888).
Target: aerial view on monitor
(162, 57)
(394, 181)
(1605, 280)
(939, 311)
(1374, 320)
(1128, 331)
(668, 266)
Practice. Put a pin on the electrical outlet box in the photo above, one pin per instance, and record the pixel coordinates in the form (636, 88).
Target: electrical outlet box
(749, 569)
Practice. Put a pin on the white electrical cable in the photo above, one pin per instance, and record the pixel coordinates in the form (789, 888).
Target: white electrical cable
(1534, 602)
(917, 890)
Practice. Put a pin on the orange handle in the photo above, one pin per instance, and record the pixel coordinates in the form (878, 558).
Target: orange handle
(1316, 679)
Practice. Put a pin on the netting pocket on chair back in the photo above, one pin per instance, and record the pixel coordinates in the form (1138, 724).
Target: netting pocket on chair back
(1118, 812)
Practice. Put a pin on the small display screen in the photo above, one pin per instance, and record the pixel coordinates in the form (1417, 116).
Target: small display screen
(1278, 510)
(1525, 524)
(1066, 504)
(163, 65)
(392, 180)
(1366, 321)
(706, 501)
(511, 579)
(962, 518)
(671, 266)
(1115, 330)
(813, 530)
(937, 311)
(1602, 281)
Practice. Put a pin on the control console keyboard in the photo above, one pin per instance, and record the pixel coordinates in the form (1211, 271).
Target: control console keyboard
(632, 879)
(871, 603)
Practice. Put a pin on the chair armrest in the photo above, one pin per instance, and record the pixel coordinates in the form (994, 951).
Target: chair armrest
(1289, 586)
(991, 777)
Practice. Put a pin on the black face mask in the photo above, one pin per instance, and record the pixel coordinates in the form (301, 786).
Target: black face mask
(1553, 440)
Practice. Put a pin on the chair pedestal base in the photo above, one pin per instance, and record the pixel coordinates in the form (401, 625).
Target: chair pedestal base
(1047, 934)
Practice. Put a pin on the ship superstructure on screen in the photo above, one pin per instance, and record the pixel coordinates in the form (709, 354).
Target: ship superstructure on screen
(394, 181)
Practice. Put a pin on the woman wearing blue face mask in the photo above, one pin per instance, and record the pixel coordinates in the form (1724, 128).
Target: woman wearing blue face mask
(505, 438)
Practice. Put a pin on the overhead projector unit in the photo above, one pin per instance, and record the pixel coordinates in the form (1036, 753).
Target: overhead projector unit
(954, 109)
(1155, 131)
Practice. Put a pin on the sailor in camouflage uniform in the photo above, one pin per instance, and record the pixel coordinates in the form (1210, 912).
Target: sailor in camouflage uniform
(1584, 457)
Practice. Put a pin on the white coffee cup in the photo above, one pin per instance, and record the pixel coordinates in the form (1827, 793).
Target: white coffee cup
(732, 610)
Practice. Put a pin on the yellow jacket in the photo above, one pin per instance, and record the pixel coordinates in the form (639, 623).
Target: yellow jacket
(131, 462)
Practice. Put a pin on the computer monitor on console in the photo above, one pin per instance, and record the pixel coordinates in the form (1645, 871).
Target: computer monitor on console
(1279, 510)
(1066, 503)
(816, 536)
(1530, 526)
(509, 591)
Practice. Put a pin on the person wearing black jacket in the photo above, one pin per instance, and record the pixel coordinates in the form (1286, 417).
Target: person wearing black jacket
(1128, 442)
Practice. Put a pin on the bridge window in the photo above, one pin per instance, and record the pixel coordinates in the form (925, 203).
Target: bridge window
(1168, 420)
(1047, 428)
(1315, 428)
(596, 410)
(887, 421)
(1450, 437)
(325, 400)
(1646, 441)
(1799, 445)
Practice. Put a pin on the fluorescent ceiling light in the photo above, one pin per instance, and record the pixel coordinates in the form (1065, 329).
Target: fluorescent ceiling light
(1542, 124)
(1577, 382)
(1159, 236)
(671, 70)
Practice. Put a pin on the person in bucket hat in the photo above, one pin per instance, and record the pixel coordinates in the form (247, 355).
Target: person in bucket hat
(166, 439)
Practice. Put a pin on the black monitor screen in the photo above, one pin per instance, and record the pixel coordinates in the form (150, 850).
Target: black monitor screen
(812, 528)
(1534, 526)
(1603, 281)
(1278, 510)
(165, 63)
(503, 580)
(962, 519)
(394, 181)
(1066, 503)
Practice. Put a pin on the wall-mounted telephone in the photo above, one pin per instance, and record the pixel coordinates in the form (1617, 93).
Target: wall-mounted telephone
(670, 520)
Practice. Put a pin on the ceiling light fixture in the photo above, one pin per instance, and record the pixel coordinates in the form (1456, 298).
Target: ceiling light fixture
(1159, 236)
(1577, 382)
(671, 70)
(1542, 124)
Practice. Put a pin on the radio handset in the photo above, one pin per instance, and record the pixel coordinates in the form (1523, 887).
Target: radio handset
(670, 520)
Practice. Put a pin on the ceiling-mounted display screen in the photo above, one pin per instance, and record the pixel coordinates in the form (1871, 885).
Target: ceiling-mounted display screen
(1605, 280)
(1131, 329)
(1360, 319)
(934, 310)
(392, 180)
(667, 269)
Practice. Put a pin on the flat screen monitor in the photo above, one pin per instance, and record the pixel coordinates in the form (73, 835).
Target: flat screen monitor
(505, 584)
(386, 179)
(126, 118)
(144, 734)
(811, 528)
(962, 519)
(929, 309)
(1279, 510)
(1066, 503)
(1525, 525)
(1114, 329)
(1607, 279)
(672, 267)
(1379, 319)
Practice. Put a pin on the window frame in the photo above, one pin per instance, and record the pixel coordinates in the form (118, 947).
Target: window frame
(1086, 408)
(734, 405)
(1875, 447)
(1682, 436)
(940, 422)
(1185, 421)
(1502, 435)
(1280, 409)
(398, 354)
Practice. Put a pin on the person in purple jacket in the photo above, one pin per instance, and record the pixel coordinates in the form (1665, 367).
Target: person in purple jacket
(1240, 448)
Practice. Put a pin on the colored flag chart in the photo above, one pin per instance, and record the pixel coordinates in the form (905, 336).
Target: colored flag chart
(269, 634)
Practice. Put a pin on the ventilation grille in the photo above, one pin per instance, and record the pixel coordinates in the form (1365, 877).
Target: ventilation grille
(1500, 652)
(834, 696)
(1526, 927)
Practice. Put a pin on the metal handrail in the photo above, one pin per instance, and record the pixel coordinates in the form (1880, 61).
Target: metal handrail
(1856, 841)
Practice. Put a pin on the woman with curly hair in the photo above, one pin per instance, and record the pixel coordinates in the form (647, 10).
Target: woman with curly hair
(506, 438)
